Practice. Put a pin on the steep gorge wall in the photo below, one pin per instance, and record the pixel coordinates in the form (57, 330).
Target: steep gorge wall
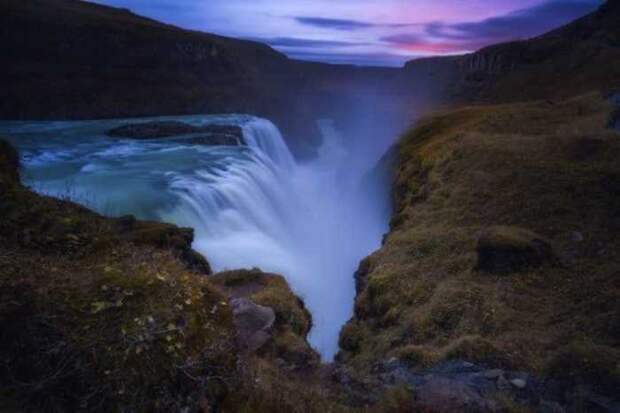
(579, 57)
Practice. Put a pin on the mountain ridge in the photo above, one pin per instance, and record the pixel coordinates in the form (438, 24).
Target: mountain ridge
(585, 52)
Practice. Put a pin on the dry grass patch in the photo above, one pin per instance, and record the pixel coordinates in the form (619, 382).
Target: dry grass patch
(536, 178)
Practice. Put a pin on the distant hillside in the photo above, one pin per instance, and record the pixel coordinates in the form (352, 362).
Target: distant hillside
(85, 56)
(579, 57)
(69, 59)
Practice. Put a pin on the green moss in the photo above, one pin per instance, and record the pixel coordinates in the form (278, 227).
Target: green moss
(417, 356)
(104, 314)
(293, 321)
(269, 290)
(515, 180)
(478, 349)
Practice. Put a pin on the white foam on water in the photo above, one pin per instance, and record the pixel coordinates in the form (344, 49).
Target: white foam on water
(250, 206)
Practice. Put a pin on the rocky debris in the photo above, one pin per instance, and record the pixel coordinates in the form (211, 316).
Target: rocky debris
(254, 323)
(217, 134)
(444, 395)
(460, 386)
(504, 249)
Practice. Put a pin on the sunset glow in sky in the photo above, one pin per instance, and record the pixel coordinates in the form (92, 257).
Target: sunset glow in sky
(378, 32)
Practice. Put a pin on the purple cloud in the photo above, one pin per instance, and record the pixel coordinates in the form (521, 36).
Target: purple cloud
(521, 24)
(387, 32)
(361, 59)
(337, 24)
(306, 43)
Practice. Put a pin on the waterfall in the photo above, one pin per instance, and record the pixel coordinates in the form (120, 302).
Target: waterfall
(250, 206)
(301, 221)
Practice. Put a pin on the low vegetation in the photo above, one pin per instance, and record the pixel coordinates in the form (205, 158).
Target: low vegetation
(102, 314)
(503, 247)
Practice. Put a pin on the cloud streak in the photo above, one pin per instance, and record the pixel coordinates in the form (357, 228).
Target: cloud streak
(306, 43)
(336, 24)
(444, 37)
(381, 32)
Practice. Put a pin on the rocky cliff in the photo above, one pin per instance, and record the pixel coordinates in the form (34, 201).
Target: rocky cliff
(496, 288)
(579, 57)
(69, 59)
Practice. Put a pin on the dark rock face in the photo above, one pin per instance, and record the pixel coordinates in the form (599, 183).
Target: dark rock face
(511, 249)
(218, 134)
(539, 68)
(10, 164)
(216, 140)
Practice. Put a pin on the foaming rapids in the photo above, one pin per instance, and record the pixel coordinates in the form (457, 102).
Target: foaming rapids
(251, 206)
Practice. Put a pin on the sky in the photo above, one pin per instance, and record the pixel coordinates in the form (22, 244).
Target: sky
(367, 32)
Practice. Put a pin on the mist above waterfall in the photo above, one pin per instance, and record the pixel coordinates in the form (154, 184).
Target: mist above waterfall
(250, 206)
(311, 222)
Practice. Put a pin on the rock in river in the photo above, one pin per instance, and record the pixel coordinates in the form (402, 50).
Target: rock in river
(213, 134)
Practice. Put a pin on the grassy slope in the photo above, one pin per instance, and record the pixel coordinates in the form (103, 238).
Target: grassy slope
(97, 61)
(580, 57)
(547, 168)
(117, 315)
(102, 313)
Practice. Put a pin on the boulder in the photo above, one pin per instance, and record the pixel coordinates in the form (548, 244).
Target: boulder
(254, 322)
(215, 140)
(215, 134)
(503, 249)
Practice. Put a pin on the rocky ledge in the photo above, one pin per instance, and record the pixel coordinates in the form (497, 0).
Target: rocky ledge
(103, 314)
(231, 135)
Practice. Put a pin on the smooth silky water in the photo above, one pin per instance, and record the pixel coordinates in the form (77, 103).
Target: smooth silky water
(250, 206)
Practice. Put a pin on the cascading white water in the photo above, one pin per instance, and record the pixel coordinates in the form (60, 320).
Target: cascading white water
(250, 206)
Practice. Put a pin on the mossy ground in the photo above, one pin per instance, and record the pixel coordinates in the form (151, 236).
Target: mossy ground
(96, 316)
(538, 167)
(105, 314)
(101, 314)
